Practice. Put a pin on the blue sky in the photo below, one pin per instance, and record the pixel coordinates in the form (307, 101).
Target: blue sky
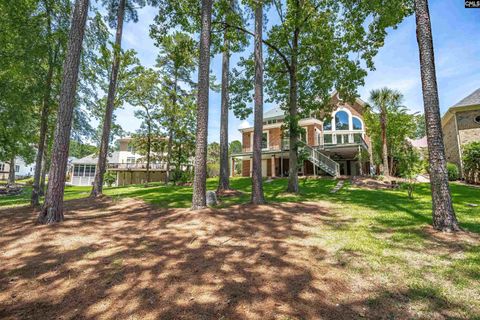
(457, 52)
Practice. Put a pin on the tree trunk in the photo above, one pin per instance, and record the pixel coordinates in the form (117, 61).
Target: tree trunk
(172, 124)
(11, 172)
(52, 210)
(107, 121)
(257, 182)
(383, 124)
(224, 180)
(200, 178)
(169, 154)
(444, 218)
(149, 146)
(43, 175)
(35, 198)
(293, 121)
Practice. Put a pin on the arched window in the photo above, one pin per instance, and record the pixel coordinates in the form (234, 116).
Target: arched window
(341, 120)
(327, 125)
(357, 124)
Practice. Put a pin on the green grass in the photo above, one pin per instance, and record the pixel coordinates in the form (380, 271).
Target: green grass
(375, 234)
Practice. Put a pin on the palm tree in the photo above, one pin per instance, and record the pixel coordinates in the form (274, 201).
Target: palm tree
(200, 165)
(382, 100)
(52, 210)
(257, 183)
(444, 218)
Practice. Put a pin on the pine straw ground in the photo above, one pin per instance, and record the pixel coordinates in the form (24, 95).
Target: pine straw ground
(124, 259)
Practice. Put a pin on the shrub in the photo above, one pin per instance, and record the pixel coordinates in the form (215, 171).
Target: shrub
(109, 178)
(452, 170)
(28, 182)
(471, 162)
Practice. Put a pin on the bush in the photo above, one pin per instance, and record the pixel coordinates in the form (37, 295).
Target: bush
(28, 182)
(471, 162)
(453, 173)
(109, 178)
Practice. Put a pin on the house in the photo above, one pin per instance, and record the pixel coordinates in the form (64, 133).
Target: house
(128, 166)
(334, 146)
(22, 169)
(461, 125)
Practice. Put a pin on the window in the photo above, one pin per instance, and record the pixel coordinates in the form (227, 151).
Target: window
(2, 166)
(327, 138)
(357, 124)
(78, 170)
(130, 148)
(327, 125)
(477, 119)
(90, 170)
(17, 168)
(131, 160)
(264, 140)
(357, 137)
(341, 120)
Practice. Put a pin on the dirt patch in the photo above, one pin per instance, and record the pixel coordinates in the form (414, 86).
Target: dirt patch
(127, 260)
(369, 183)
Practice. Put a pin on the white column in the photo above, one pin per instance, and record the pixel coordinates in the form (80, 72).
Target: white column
(273, 166)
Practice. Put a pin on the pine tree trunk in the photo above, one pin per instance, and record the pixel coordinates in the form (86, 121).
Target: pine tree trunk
(11, 172)
(52, 210)
(35, 198)
(200, 178)
(383, 124)
(172, 124)
(293, 121)
(444, 218)
(149, 146)
(43, 176)
(224, 180)
(257, 182)
(97, 189)
(169, 154)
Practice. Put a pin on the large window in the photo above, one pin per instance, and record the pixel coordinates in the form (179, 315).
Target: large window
(17, 168)
(341, 120)
(357, 124)
(264, 140)
(84, 170)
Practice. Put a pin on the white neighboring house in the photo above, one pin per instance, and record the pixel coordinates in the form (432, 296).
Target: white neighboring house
(22, 169)
(128, 166)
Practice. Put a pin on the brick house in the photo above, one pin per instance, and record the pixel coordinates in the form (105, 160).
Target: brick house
(461, 125)
(333, 146)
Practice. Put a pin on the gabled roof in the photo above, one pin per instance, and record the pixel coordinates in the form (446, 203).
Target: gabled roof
(273, 113)
(470, 100)
(93, 158)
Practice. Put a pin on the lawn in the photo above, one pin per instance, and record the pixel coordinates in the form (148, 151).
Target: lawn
(358, 253)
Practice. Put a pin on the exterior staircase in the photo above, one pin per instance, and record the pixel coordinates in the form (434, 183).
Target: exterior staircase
(320, 160)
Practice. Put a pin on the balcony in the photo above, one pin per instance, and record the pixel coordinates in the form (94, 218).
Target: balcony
(137, 166)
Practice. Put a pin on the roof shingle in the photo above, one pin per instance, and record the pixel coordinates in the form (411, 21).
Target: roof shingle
(470, 100)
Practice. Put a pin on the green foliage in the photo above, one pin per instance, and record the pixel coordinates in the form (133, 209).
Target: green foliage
(386, 105)
(79, 149)
(410, 165)
(453, 172)
(471, 162)
(109, 178)
(421, 130)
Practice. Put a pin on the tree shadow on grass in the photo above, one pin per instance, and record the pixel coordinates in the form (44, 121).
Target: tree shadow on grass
(126, 259)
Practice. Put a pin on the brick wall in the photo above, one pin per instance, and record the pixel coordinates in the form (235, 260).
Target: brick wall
(246, 168)
(450, 142)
